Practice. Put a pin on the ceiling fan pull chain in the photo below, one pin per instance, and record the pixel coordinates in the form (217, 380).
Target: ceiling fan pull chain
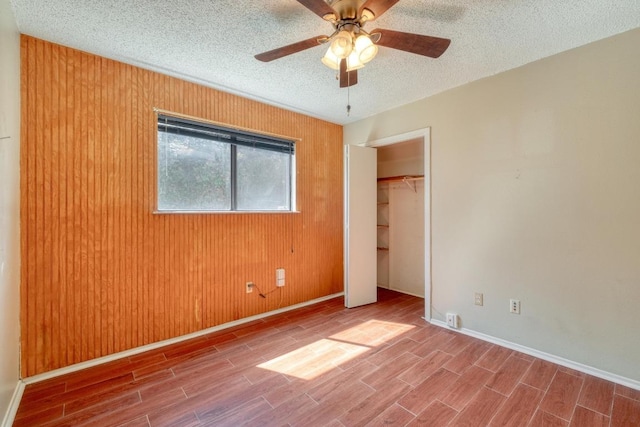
(348, 97)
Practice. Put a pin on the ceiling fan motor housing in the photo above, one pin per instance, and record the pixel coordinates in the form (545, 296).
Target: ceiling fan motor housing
(346, 9)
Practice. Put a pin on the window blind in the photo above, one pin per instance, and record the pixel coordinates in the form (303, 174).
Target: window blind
(193, 128)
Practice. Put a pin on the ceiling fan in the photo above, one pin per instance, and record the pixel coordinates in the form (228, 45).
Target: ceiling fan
(350, 45)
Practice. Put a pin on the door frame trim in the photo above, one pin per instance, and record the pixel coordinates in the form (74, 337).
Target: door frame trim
(425, 134)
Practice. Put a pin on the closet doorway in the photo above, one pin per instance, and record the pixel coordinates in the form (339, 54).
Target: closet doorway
(404, 214)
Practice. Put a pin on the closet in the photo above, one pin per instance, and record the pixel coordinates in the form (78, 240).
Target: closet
(400, 217)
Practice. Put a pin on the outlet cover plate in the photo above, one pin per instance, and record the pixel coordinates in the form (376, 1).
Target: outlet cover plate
(452, 320)
(514, 306)
(478, 299)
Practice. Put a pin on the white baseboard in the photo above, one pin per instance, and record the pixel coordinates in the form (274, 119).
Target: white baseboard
(544, 356)
(99, 361)
(12, 410)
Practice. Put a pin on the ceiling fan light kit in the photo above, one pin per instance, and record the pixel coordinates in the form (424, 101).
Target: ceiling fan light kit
(350, 46)
(342, 44)
(361, 53)
(353, 62)
(331, 60)
(361, 50)
(365, 48)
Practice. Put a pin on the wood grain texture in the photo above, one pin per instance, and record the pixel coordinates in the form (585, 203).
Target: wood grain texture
(625, 412)
(219, 379)
(429, 46)
(100, 272)
(597, 395)
(288, 49)
(562, 395)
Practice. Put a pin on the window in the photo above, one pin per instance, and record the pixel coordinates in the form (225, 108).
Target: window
(207, 167)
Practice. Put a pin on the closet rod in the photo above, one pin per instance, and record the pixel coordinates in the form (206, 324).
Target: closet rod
(406, 179)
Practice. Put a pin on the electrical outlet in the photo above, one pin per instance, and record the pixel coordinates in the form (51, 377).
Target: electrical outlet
(280, 277)
(249, 286)
(452, 320)
(514, 306)
(478, 299)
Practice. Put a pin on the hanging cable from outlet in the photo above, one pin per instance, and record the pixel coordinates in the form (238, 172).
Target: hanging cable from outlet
(264, 294)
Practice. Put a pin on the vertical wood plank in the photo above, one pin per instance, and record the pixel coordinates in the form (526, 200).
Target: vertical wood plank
(101, 273)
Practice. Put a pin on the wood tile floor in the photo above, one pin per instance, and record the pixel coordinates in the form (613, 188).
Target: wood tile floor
(325, 365)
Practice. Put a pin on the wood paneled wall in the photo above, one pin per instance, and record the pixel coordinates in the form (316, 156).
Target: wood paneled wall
(100, 272)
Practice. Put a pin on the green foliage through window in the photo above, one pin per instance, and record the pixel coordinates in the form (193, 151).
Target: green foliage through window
(204, 167)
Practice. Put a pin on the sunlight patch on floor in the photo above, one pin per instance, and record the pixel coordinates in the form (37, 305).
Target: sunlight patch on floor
(315, 359)
(372, 332)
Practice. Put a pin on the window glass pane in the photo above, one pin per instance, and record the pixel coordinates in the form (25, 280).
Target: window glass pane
(263, 179)
(193, 173)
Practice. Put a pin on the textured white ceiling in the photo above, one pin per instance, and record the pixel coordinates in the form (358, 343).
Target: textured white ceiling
(213, 42)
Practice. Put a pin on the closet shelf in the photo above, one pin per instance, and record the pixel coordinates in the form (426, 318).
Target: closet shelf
(383, 225)
(407, 179)
(380, 248)
(401, 178)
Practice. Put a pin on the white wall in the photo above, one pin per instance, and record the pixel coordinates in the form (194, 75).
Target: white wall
(9, 205)
(536, 195)
(403, 158)
(406, 237)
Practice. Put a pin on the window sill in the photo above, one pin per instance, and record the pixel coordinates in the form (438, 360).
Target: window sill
(156, 212)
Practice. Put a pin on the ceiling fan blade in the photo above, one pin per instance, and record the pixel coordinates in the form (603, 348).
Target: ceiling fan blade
(319, 7)
(429, 46)
(347, 78)
(288, 49)
(378, 7)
